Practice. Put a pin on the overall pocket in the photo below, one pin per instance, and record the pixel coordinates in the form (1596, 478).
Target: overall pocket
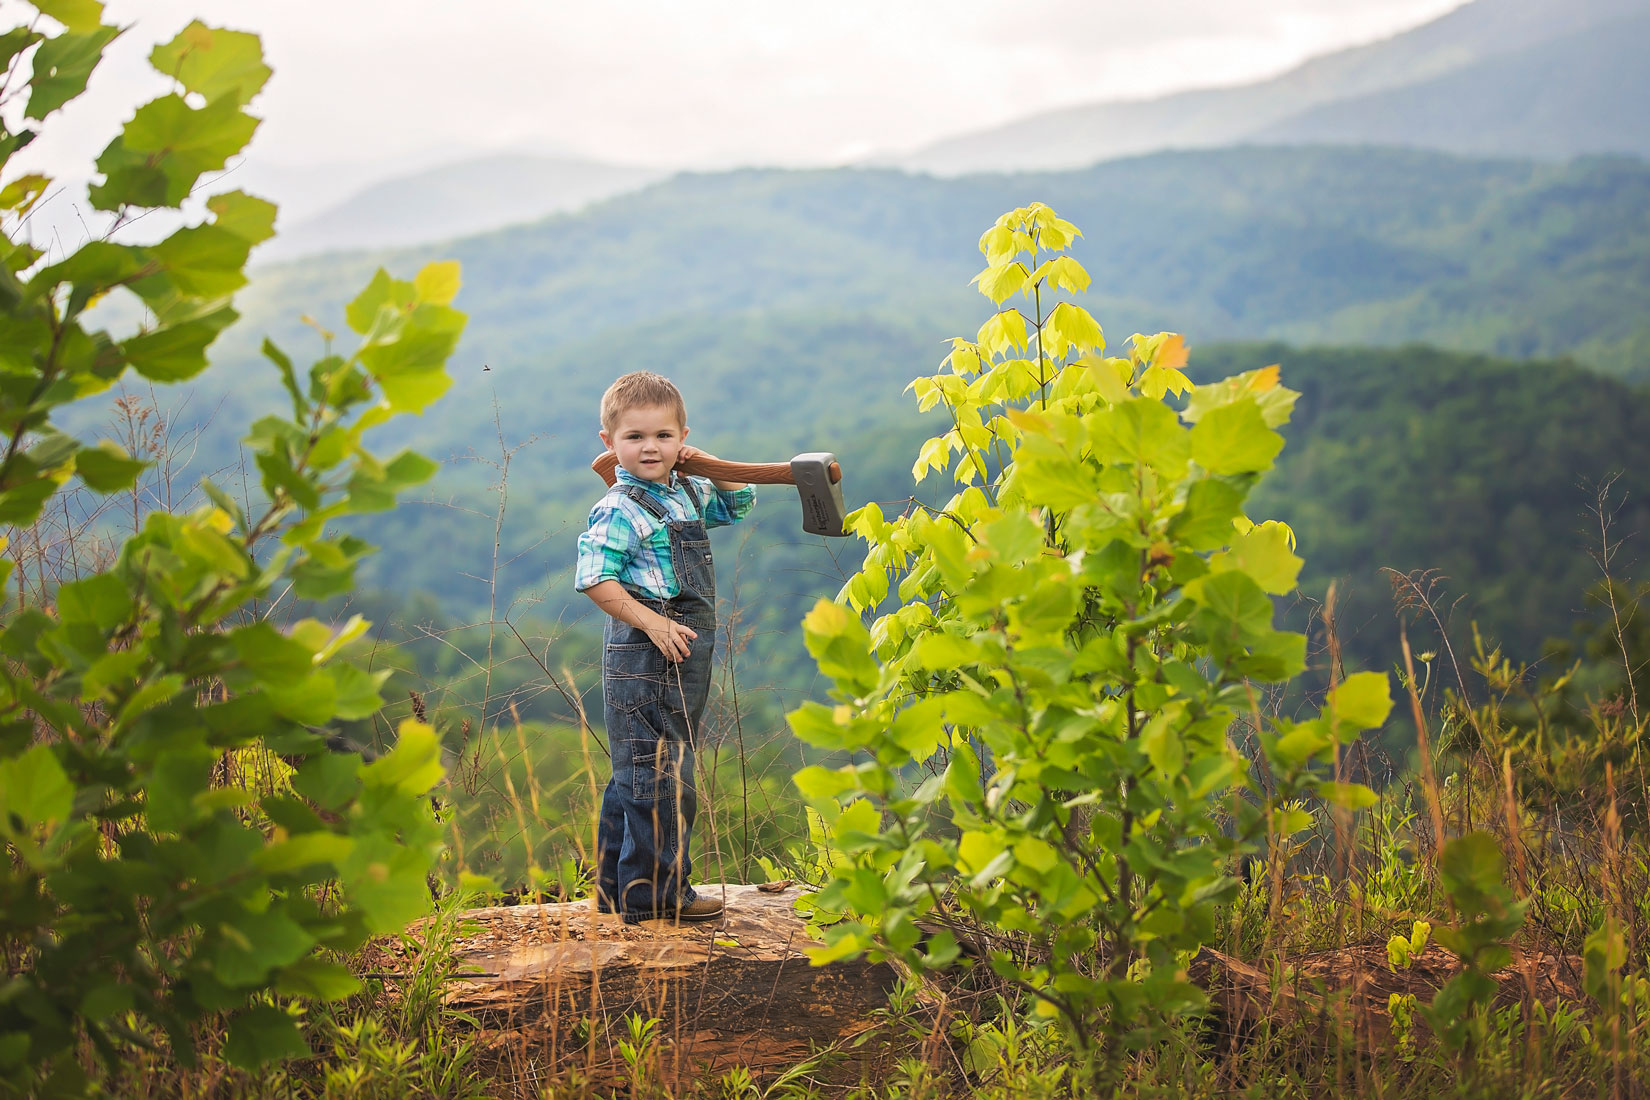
(694, 569)
(656, 761)
(633, 674)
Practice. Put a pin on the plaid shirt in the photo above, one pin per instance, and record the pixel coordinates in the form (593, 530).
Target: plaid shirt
(625, 543)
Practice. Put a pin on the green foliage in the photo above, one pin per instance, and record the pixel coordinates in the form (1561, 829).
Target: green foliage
(1483, 470)
(1039, 720)
(140, 893)
(1472, 871)
(822, 286)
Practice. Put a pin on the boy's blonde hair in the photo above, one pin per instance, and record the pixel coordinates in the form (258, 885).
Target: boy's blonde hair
(641, 389)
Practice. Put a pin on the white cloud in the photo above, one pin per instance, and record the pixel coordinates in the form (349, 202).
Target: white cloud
(708, 83)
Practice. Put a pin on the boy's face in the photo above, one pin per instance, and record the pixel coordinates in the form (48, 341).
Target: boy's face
(646, 439)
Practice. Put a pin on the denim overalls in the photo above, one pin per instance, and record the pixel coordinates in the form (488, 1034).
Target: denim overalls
(652, 709)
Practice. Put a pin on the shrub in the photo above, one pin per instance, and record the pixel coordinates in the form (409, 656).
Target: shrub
(139, 894)
(1040, 716)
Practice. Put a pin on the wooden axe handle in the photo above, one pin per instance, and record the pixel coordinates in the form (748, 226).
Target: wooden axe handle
(717, 469)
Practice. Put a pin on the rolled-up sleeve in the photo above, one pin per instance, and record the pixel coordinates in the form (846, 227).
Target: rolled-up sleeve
(725, 506)
(606, 546)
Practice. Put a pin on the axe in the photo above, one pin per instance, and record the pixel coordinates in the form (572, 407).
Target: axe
(816, 475)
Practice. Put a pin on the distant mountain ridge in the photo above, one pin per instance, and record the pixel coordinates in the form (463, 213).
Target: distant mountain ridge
(457, 200)
(1486, 44)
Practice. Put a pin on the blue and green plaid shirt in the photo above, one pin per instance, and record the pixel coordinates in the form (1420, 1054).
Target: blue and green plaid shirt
(625, 543)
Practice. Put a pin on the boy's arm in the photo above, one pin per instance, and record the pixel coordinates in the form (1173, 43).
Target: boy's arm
(731, 501)
(669, 636)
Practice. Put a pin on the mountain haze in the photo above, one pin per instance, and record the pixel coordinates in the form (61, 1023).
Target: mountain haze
(1307, 244)
(1583, 93)
(457, 200)
(1592, 102)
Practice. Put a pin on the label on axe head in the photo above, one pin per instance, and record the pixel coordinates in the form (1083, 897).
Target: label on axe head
(822, 510)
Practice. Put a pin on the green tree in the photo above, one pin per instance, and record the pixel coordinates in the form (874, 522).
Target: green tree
(138, 894)
(1040, 722)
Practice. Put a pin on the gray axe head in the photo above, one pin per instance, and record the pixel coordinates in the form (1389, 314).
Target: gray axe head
(822, 510)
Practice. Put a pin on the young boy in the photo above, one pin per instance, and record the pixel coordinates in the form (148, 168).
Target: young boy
(645, 561)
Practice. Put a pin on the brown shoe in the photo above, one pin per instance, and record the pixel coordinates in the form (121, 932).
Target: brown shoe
(695, 911)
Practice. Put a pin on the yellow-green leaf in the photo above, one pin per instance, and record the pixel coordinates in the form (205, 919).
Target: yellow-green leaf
(1234, 439)
(1362, 701)
(438, 282)
(1003, 281)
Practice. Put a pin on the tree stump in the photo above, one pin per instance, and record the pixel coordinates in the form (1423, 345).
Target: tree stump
(554, 984)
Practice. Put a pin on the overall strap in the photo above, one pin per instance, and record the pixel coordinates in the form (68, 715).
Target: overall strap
(693, 495)
(647, 501)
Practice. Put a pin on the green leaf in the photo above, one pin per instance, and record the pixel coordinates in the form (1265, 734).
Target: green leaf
(12, 43)
(1263, 553)
(978, 852)
(410, 468)
(253, 944)
(385, 881)
(178, 352)
(318, 980)
(273, 658)
(1233, 598)
(289, 378)
(34, 789)
(1362, 701)
(1003, 281)
(215, 63)
(1063, 273)
(1276, 402)
(1472, 863)
(1140, 431)
(1004, 330)
(101, 600)
(1163, 746)
(204, 261)
(942, 652)
(329, 779)
(305, 850)
(820, 786)
(20, 505)
(63, 64)
(24, 191)
(1605, 953)
(249, 218)
(1234, 439)
(841, 645)
(79, 16)
(413, 766)
(263, 1034)
(1348, 796)
(1298, 744)
(1205, 522)
(438, 283)
(1070, 326)
(165, 148)
(413, 393)
(107, 468)
(381, 291)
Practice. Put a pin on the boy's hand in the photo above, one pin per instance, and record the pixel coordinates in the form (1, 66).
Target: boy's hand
(674, 639)
(687, 451)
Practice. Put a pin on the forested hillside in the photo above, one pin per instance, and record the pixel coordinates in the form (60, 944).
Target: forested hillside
(794, 307)
(1324, 245)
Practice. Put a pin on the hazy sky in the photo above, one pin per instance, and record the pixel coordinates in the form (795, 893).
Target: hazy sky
(702, 82)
